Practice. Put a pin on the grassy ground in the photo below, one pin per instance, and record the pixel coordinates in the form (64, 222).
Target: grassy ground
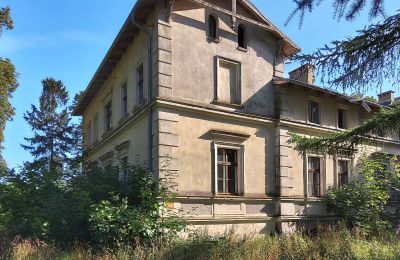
(330, 245)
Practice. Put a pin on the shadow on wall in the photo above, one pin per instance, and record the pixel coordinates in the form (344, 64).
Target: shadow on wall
(255, 99)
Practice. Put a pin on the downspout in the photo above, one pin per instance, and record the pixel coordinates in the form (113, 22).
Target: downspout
(148, 32)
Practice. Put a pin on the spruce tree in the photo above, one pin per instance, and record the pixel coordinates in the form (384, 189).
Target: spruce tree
(55, 137)
(359, 63)
(8, 83)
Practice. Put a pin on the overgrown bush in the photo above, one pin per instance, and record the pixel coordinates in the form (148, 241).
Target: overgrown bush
(56, 207)
(363, 201)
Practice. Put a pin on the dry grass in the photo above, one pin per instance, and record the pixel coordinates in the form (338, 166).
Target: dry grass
(330, 245)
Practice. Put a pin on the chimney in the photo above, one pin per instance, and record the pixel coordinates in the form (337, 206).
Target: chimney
(304, 73)
(386, 98)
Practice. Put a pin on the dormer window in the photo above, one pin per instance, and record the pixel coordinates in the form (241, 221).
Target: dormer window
(242, 37)
(212, 28)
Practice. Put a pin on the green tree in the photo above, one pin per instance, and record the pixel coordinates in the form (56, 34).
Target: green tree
(55, 138)
(8, 83)
(359, 63)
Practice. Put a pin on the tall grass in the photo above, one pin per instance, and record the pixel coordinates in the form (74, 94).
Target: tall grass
(328, 245)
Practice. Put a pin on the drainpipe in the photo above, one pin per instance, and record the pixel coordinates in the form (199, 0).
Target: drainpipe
(148, 32)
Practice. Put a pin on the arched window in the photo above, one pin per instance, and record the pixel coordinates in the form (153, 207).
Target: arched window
(242, 37)
(212, 27)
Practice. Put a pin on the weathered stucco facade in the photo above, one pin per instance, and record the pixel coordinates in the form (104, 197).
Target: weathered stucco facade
(202, 83)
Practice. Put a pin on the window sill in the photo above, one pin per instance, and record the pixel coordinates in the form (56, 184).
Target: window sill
(213, 40)
(219, 103)
(107, 133)
(228, 195)
(242, 49)
(139, 106)
(123, 119)
(316, 124)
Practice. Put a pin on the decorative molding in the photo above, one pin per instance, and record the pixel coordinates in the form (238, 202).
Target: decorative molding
(224, 135)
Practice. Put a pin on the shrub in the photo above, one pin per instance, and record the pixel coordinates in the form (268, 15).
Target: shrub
(363, 201)
(56, 206)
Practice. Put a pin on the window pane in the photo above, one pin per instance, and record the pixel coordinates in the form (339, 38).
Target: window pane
(221, 172)
(220, 155)
(140, 90)
(343, 172)
(232, 179)
(314, 112)
(221, 186)
(231, 156)
(108, 116)
(227, 171)
(316, 179)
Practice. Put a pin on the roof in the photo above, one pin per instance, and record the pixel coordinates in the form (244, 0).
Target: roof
(124, 38)
(127, 34)
(365, 104)
(289, 46)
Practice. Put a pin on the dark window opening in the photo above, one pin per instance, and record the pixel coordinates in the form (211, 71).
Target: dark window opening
(123, 174)
(95, 129)
(108, 116)
(313, 112)
(227, 171)
(212, 27)
(314, 177)
(140, 89)
(342, 119)
(124, 95)
(343, 172)
(242, 37)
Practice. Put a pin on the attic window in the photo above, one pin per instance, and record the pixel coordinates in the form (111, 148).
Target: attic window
(242, 37)
(212, 28)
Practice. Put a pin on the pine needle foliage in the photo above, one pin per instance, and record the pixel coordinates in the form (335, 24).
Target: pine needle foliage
(349, 9)
(5, 19)
(55, 137)
(363, 62)
(8, 83)
(383, 122)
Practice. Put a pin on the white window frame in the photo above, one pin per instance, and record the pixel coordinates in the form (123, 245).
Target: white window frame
(240, 149)
(238, 79)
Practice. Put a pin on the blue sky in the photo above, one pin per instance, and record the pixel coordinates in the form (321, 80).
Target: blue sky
(68, 39)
